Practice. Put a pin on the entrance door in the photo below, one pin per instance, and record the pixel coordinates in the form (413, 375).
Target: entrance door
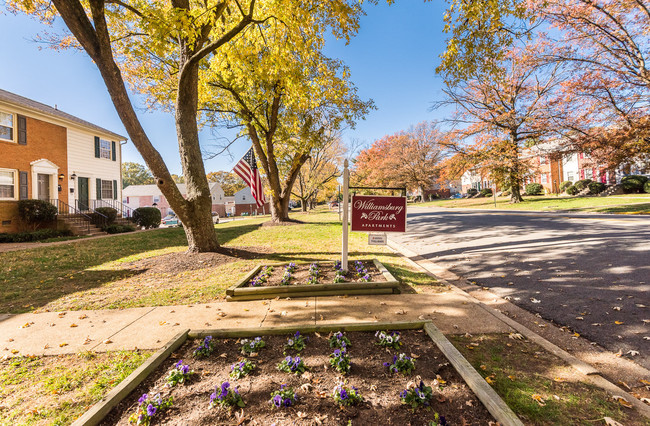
(83, 193)
(43, 186)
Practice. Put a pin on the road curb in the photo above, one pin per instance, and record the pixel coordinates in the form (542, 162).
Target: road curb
(590, 373)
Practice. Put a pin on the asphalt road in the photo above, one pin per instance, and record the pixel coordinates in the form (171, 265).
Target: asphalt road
(588, 273)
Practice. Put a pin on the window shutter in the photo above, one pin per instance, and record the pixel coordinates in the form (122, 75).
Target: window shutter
(96, 146)
(113, 149)
(114, 188)
(23, 187)
(99, 189)
(22, 130)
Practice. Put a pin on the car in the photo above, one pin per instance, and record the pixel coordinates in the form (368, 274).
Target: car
(215, 217)
(171, 220)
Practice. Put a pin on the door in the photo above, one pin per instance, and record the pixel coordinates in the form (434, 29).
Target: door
(43, 186)
(83, 193)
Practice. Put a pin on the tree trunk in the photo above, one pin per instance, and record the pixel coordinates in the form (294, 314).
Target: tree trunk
(515, 190)
(303, 204)
(280, 209)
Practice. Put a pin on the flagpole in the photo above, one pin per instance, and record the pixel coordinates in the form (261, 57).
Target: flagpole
(346, 183)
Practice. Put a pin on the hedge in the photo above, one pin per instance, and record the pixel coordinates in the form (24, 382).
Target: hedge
(564, 185)
(646, 187)
(596, 187)
(486, 192)
(118, 229)
(36, 212)
(534, 189)
(634, 183)
(109, 212)
(472, 191)
(41, 234)
(582, 184)
(147, 217)
(572, 190)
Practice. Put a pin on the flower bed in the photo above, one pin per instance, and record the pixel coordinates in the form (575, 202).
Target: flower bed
(280, 385)
(314, 279)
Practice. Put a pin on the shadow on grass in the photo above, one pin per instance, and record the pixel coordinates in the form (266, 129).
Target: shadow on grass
(626, 209)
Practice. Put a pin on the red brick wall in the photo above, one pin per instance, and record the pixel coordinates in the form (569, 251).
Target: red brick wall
(248, 208)
(44, 140)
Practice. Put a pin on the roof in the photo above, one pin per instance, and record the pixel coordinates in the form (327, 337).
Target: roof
(12, 98)
(149, 190)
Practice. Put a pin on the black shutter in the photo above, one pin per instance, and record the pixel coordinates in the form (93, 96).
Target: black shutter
(22, 130)
(96, 146)
(114, 188)
(23, 193)
(113, 149)
(99, 189)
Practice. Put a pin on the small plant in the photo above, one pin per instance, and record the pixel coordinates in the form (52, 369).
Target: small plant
(401, 364)
(241, 369)
(360, 269)
(337, 265)
(148, 407)
(314, 273)
(339, 340)
(365, 278)
(179, 374)
(286, 277)
(291, 267)
(292, 365)
(389, 339)
(297, 342)
(262, 277)
(285, 397)
(205, 349)
(249, 346)
(340, 360)
(534, 189)
(339, 277)
(345, 395)
(438, 420)
(417, 396)
(226, 396)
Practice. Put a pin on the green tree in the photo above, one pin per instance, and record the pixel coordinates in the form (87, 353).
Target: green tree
(135, 174)
(229, 181)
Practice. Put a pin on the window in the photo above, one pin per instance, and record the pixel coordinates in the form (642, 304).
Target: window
(7, 185)
(107, 189)
(542, 160)
(6, 126)
(104, 149)
(543, 178)
(569, 176)
(156, 199)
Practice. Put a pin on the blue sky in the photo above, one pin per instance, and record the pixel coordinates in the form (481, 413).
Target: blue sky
(392, 61)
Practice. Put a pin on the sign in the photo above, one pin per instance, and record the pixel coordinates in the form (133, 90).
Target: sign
(373, 213)
(377, 239)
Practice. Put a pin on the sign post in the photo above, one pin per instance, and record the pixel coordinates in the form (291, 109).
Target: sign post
(346, 184)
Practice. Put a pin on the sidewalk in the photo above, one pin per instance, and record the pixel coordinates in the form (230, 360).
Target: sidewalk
(54, 333)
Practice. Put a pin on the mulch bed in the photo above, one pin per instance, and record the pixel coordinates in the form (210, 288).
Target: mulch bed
(176, 263)
(380, 389)
(327, 274)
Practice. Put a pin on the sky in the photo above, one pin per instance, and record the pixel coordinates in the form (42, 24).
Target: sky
(392, 61)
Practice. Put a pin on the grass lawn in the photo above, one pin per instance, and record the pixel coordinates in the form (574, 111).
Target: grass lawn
(56, 390)
(613, 204)
(539, 387)
(96, 274)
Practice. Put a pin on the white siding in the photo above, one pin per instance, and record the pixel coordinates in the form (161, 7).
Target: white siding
(244, 196)
(82, 162)
(570, 169)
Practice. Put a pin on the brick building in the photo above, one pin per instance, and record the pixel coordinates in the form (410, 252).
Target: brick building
(48, 154)
(135, 196)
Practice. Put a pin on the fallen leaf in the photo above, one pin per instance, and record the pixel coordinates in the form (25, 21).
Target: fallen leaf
(73, 325)
(633, 353)
(27, 324)
(616, 308)
(625, 385)
(645, 400)
(107, 341)
(441, 398)
(580, 318)
(400, 312)
(414, 356)
(559, 379)
(61, 314)
(490, 379)
(14, 351)
(645, 382)
(483, 367)
(511, 377)
(46, 347)
(62, 344)
(646, 321)
(532, 299)
(622, 401)
(163, 323)
(537, 397)
(516, 336)
(84, 316)
(88, 340)
(618, 322)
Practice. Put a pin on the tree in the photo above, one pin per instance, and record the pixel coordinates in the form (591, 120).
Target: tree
(158, 47)
(284, 94)
(406, 159)
(606, 46)
(135, 174)
(496, 117)
(320, 171)
(229, 181)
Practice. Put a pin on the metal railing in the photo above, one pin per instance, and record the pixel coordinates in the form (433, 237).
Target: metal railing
(72, 214)
(122, 209)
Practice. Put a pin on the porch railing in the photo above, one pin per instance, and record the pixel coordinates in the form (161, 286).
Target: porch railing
(122, 209)
(72, 214)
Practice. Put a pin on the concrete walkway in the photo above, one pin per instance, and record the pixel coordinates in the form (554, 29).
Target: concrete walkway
(54, 333)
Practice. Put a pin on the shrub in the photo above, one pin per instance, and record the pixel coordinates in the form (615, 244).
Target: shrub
(118, 229)
(534, 189)
(582, 184)
(41, 234)
(505, 193)
(572, 190)
(564, 185)
(148, 217)
(36, 212)
(109, 212)
(633, 183)
(472, 191)
(486, 192)
(646, 187)
(596, 187)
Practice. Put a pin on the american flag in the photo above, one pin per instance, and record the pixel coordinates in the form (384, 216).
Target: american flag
(246, 169)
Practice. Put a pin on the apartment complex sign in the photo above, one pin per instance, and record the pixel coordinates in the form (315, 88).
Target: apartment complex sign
(371, 213)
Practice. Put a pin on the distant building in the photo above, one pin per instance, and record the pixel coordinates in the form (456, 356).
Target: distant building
(136, 196)
(245, 203)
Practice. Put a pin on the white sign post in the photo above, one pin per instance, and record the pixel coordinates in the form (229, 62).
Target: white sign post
(346, 199)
